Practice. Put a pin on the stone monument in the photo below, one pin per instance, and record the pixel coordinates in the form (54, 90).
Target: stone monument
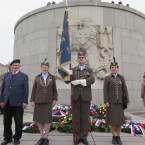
(102, 30)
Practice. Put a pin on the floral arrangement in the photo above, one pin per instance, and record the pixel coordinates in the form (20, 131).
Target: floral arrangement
(133, 128)
(62, 120)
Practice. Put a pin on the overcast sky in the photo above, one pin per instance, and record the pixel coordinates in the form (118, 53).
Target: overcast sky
(12, 10)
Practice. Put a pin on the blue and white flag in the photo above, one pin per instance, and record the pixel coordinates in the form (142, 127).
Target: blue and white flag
(65, 52)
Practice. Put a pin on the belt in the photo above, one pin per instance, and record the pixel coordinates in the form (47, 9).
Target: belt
(80, 88)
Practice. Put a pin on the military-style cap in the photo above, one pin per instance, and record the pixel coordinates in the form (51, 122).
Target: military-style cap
(45, 63)
(114, 63)
(15, 61)
(82, 54)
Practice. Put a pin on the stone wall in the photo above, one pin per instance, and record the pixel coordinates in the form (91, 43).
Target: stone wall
(3, 69)
(36, 39)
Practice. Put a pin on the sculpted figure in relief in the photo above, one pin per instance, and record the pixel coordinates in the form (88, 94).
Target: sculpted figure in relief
(95, 40)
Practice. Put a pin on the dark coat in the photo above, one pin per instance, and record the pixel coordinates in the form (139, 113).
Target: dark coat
(143, 92)
(113, 91)
(1, 87)
(16, 90)
(44, 93)
(86, 94)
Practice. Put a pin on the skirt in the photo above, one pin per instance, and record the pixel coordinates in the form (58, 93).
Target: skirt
(43, 112)
(115, 114)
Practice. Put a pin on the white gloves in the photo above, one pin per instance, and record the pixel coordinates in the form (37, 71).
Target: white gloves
(70, 72)
(75, 82)
(81, 82)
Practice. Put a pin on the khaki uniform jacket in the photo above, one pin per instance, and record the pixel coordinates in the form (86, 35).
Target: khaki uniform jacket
(143, 92)
(113, 91)
(44, 93)
(86, 94)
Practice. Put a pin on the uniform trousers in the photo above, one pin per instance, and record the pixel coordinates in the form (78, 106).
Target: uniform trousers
(2, 110)
(9, 113)
(81, 118)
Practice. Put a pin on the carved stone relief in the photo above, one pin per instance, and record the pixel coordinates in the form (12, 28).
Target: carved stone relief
(95, 40)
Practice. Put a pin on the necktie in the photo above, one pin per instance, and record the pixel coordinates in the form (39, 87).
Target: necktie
(13, 75)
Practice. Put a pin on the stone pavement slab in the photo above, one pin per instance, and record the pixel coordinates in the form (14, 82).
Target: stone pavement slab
(58, 138)
(127, 139)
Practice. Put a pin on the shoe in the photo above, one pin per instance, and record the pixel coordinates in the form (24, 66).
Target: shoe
(6, 142)
(46, 141)
(119, 142)
(16, 141)
(114, 140)
(40, 141)
(77, 141)
(84, 141)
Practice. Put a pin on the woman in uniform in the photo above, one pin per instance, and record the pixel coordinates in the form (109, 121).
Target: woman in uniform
(44, 95)
(114, 102)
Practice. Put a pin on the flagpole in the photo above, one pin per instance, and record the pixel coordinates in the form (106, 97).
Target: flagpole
(72, 109)
(73, 124)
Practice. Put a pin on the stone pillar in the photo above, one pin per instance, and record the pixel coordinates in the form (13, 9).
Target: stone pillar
(81, 0)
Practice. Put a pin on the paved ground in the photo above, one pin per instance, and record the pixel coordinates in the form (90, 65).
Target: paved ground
(57, 138)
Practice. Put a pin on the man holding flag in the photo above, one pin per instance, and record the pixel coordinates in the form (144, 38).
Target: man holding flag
(83, 78)
(64, 69)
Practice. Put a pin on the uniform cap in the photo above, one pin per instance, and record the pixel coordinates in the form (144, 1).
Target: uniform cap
(15, 61)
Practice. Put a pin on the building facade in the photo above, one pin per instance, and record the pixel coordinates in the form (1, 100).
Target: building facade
(102, 30)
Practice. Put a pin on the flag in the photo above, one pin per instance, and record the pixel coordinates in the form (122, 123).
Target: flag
(65, 52)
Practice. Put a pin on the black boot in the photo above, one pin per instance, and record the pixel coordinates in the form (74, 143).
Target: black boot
(119, 142)
(84, 141)
(16, 141)
(114, 141)
(77, 141)
(46, 141)
(5, 142)
(40, 141)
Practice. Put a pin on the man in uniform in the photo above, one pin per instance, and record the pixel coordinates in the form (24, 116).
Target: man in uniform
(83, 78)
(14, 99)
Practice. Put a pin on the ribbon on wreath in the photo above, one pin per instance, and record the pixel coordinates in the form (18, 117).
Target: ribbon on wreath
(94, 110)
(26, 127)
(66, 122)
(54, 114)
(98, 122)
(133, 125)
(133, 130)
(142, 129)
(91, 107)
(68, 108)
(91, 119)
